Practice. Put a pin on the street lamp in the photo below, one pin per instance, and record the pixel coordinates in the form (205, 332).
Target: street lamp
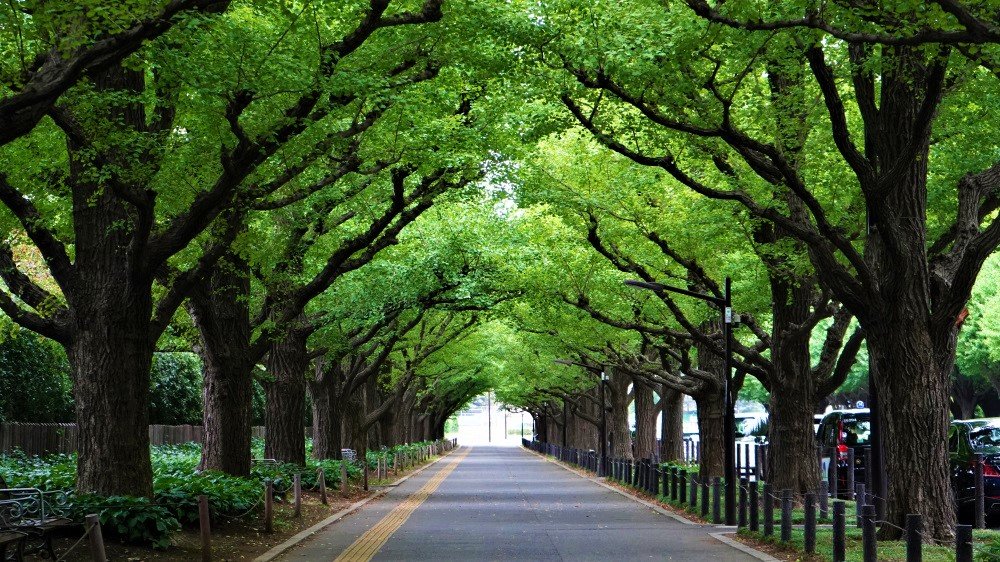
(725, 305)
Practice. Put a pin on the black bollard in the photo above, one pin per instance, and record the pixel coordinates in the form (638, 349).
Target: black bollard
(673, 483)
(768, 511)
(859, 495)
(810, 527)
(963, 543)
(683, 492)
(868, 540)
(839, 532)
(850, 473)
(786, 515)
(832, 476)
(717, 500)
(754, 508)
(742, 520)
(824, 501)
(913, 543)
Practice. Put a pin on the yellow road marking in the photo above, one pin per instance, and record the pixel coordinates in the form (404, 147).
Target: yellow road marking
(367, 545)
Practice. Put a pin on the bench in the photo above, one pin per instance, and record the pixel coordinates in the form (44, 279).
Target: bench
(33, 514)
(12, 545)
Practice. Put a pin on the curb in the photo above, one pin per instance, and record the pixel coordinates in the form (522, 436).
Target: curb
(280, 549)
(637, 499)
(721, 537)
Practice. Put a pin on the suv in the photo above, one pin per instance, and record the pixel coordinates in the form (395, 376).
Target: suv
(965, 439)
(842, 430)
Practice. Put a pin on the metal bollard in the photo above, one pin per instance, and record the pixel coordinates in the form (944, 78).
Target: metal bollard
(683, 492)
(673, 483)
(754, 508)
(850, 473)
(742, 520)
(869, 543)
(839, 532)
(810, 527)
(832, 473)
(786, 515)
(859, 495)
(824, 500)
(963, 543)
(913, 543)
(717, 500)
(768, 510)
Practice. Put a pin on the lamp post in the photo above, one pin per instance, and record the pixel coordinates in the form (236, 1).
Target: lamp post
(604, 426)
(725, 305)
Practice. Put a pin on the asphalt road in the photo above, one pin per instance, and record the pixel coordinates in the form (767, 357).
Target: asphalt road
(504, 503)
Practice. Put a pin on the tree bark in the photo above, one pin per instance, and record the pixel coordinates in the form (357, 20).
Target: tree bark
(110, 359)
(645, 420)
(618, 399)
(218, 308)
(284, 415)
(327, 424)
(671, 424)
(793, 397)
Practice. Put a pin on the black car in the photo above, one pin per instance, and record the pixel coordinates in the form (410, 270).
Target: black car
(966, 438)
(840, 431)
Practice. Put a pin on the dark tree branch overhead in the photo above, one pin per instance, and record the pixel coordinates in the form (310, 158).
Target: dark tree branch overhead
(54, 72)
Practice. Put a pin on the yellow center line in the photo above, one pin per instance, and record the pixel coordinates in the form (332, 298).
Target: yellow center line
(367, 545)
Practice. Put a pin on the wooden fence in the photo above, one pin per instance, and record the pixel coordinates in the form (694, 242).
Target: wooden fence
(48, 438)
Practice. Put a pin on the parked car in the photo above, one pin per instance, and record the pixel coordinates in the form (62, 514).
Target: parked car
(966, 438)
(840, 431)
(817, 418)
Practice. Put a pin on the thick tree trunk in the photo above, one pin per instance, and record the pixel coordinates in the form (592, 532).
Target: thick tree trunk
(793, 391)
(353, 414)
(284, 415)
(710, 400)
(327, 423)
(110, 359)
(110, 346)
(711, 441)
(910, 375)
(218, 307)
(645, 421)
(618, 430)
(671, 424)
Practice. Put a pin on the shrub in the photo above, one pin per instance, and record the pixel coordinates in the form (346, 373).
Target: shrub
(131, 520)
(175, 383)
(34, 377)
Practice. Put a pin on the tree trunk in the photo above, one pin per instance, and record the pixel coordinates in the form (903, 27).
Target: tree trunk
(618, 430)
(645, 420)
(671, 424)
(793, 399)
(284, 415)
(110, 359)
(910, 375)
(353, 414)
(218, 307)
(711, 433)
(110, 347)
(327, 423)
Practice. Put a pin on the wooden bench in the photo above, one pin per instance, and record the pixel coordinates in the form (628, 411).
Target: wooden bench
(31, 513)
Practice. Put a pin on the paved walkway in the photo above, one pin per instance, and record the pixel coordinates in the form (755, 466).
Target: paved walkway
(503, 503)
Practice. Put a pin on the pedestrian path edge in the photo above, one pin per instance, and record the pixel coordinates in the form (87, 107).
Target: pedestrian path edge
(305, 534)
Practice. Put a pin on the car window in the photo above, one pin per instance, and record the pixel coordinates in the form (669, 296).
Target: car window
(856, 432)
(984, 437)
(830, 433)
(953, 438)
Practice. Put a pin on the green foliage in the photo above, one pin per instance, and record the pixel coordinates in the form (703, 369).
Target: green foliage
(131, 520)
(175, 386)
(34, 377)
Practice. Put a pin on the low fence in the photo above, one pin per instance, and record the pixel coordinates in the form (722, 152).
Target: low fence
(49, 438)
(757, 500)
